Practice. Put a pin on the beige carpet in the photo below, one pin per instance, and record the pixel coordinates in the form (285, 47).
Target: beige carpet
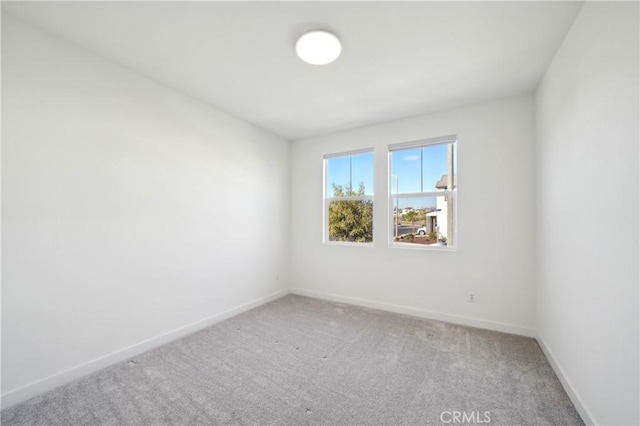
(300, 361)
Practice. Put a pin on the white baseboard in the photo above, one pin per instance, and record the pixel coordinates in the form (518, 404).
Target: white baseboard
(587, 418)
(48, 383)
(423, 313)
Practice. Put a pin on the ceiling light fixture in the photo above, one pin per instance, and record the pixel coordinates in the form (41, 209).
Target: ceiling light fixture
(318, 47)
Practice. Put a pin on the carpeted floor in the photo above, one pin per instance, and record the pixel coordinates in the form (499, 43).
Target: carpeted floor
(300, 361)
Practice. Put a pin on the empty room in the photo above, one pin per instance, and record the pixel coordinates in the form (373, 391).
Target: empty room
(320, 213)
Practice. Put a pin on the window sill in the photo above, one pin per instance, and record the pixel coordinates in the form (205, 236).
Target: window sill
(347, 244)
(411, 246)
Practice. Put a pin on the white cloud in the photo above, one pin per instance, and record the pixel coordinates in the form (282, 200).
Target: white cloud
(411, 158)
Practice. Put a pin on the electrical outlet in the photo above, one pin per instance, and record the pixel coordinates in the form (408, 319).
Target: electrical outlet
(472, 296)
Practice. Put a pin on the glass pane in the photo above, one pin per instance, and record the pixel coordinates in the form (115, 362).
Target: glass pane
(437, 165)
(338, 176)
(423, 169)
(350, 175)
(362, 173)
(351, 221)
(405, 170)
(423, 220)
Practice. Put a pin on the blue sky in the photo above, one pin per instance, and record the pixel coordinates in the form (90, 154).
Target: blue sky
(355, 169)
(412, 167)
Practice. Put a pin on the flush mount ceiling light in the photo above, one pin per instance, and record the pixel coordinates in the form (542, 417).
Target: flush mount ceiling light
(318, 47)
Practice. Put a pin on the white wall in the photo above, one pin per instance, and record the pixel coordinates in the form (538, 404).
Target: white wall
(495, 255)
(129, 211)
(587, 198)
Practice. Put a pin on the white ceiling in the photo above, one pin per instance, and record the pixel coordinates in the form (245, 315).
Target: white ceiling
(399, 58)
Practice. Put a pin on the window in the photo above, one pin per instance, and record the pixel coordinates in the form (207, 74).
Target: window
(422, 193)
(348, 197)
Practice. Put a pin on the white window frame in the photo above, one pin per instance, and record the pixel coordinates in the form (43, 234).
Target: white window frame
(447, 193)
(328, 199)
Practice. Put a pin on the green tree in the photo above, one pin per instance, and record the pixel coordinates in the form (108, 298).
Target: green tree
(412, 216)
(350, 220)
